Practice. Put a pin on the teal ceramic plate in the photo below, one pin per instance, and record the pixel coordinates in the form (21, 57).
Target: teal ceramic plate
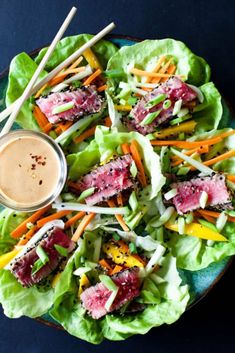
(200, 282)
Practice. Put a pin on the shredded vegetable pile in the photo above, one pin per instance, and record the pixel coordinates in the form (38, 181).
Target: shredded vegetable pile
(150, 189)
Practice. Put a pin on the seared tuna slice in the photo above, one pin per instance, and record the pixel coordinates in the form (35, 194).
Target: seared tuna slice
(22, 267)
(94, 298)
(86, 101)
(189, 192)
(174, 89)
(108, 180)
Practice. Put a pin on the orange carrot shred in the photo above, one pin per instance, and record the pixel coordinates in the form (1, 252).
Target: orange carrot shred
(82, 226)
(171, 70)
(116, 269)
(217, 159)
(119, 200)
(102, 88)
(186, 144)
(214, 214)
(88, 133)
(231, 178)
(207, 218)
(74, 219)
(105, 264)
(26, 237)
(163, 70)
(53, 216)
(40, 117)
(126, 148)
(200, 150)
(137, 158)
(39, 92)
(47, 127)
(22, 228)
(91, 78)
(119, 217)
(157, 67)
(76, 62)
(107, 121)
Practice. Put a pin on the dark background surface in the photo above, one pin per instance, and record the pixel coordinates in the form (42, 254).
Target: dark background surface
(208, 28)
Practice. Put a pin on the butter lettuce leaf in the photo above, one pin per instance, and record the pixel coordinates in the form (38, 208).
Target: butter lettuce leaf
(17, 300)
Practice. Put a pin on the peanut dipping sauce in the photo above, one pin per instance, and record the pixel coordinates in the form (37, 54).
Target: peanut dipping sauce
(29, 170)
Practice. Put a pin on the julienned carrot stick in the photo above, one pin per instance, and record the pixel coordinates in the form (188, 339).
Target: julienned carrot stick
(22, 228)
(61, 76)
(214, 214)
(53, 216)
(186, 144)
(119, 200)
(163, 70)
(40, 117)
(171, 70)
(207, 218)
(156, 67)
(105, 264)
(74, 219)
(137, 158)
(26, 237)
(102, 88)
(82, 226)
(200, 150)
(220, 158)
(39, 92)
(107, 121)
(116, 269)
(126, 148)
(47, 127)
(231, 178)
(119, 217)
(76, 62)
(88, 133)
(151, 74)
(91, 78)
(63, 126)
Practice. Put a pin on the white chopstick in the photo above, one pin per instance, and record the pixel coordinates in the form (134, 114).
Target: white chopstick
(66, 62)
(41, 66)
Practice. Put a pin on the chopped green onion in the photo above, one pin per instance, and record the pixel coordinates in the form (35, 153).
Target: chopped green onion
(150, 137)
(86, 193)
(133, 169)
(230, 213)
(160, 234)
(42, 254)
(150, 118)
(183, 112)
(97, 249)
(81, 270)
(180, 120)
(181, 136)
(221, 221)
(203, 199)
(61, 250)
(111, 299)
(183, 171)
(116, 236)
(204, 169)
(181, 225)
(37, 266)
(53, 135)
(170, 194)
(62, 108)
(132, 248)
(189, 218)
(158, 222)
(132, 100)
(108, 282)
(133, 201)
(177, 107)
(208, 224)
(114, 73)
(166, 104)
(155, 101)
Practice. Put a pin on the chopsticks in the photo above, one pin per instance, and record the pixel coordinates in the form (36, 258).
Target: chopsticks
(41, 66)
(35, 88)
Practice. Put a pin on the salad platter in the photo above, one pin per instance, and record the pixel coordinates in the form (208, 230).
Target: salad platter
(138, 251)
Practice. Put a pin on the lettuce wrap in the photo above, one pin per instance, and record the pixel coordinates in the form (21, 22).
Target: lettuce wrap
(15, 299)
(164, 299)
(193, 69)
(22, 68)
